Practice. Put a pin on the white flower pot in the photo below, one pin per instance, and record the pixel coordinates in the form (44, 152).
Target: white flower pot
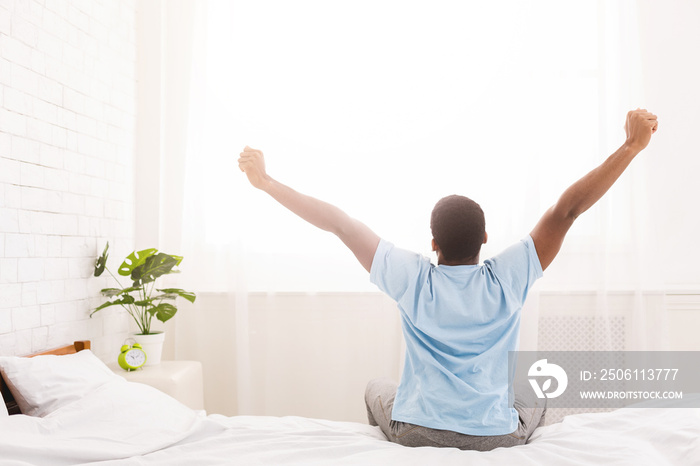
(152, 344)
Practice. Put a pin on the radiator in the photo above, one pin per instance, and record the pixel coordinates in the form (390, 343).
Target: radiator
(580, 333)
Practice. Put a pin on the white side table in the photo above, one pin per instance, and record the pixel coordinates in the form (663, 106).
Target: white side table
(180, 379)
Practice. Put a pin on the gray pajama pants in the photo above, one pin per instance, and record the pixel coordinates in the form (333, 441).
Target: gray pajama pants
(379, 397)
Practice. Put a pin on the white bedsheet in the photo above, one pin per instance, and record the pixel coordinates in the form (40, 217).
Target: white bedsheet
(145, 427)
(630, 437)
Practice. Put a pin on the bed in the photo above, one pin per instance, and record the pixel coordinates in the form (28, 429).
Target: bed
(75, 411)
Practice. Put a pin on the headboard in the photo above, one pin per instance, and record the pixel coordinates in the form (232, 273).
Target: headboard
(10, 403)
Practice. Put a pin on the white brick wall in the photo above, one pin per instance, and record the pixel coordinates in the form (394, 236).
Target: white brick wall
(67, 113)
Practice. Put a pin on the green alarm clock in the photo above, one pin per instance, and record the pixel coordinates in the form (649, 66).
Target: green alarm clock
(132, 357)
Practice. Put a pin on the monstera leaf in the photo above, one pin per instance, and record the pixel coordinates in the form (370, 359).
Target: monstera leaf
(110, 292)
(163, 311)
(144, 302)
(101, 262)
(172, 293)
(177, 258)
(126, 299)
(152, 268)
(135, 259)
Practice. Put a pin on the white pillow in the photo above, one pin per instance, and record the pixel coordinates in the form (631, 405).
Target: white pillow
(117, 420)
(43, 384)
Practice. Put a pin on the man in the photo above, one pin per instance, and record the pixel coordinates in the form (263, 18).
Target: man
(459, 319)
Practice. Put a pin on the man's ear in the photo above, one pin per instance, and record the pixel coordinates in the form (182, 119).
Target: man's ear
(486, 237)
(434, 245)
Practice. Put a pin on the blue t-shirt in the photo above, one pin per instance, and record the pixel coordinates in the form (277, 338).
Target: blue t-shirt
(459, 323)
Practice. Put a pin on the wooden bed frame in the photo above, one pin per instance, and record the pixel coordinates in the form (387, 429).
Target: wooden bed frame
(10, 403)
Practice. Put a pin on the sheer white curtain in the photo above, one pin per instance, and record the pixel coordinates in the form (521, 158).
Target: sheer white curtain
(383, 107)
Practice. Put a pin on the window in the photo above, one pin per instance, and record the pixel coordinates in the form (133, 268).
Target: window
(382, 108)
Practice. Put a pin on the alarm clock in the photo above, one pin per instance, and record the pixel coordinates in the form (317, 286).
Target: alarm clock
(131, 357)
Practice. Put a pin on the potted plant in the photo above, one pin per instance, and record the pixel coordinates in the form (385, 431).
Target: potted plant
(142, 300)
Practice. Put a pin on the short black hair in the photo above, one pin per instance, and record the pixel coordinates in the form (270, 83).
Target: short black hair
(458, 226)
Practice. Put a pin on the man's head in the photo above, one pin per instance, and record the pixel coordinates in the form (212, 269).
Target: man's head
(459, 229)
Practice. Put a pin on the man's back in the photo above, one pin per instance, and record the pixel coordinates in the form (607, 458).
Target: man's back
(459, 323)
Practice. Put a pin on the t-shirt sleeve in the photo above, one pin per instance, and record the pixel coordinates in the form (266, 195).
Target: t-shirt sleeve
(517, 268)
(395, 270)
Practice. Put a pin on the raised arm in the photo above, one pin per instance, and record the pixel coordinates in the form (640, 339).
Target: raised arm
(357, 236)
(548, 235)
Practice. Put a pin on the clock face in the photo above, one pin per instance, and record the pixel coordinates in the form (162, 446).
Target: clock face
(135, 357)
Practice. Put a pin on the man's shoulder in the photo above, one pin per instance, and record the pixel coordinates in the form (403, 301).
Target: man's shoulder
(518, 266)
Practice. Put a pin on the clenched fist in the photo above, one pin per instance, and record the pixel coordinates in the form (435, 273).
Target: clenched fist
(639, 127)
(252, 163)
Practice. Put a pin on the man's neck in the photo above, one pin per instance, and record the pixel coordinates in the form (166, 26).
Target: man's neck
(471, 261)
